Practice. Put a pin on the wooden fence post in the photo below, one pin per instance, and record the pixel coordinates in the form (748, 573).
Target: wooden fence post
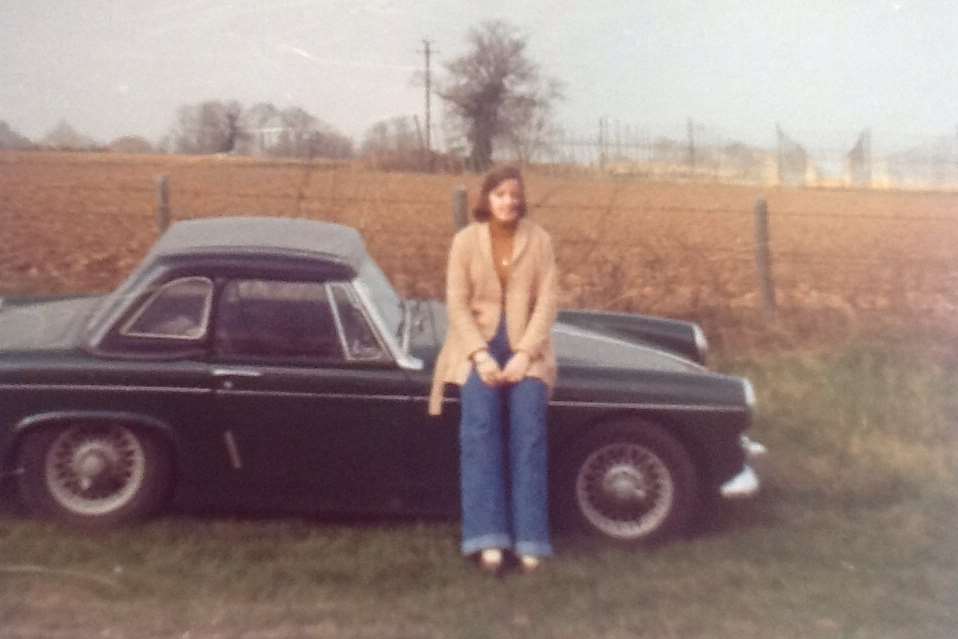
(460, 208)
(763, 258)
(162, 202)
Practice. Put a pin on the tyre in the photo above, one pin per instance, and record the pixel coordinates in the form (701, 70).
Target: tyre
(632, 482)
(93, 475)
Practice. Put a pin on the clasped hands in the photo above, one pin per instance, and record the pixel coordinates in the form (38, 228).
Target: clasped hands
(490, 373)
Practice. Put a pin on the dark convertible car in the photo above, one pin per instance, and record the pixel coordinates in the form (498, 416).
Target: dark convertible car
(268, 364)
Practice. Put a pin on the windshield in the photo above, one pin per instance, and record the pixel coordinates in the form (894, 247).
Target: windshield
(388, 303)
(118, 299)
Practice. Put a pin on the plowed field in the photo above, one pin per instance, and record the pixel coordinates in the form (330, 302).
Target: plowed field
(81, 222)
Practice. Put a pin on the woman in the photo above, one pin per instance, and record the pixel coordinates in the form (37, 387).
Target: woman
(501, 300)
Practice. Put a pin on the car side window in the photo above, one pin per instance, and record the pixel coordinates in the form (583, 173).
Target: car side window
(360, 341)
(180, 309)
(270, 319)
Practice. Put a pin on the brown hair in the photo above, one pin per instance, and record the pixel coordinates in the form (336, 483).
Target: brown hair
(493, 179)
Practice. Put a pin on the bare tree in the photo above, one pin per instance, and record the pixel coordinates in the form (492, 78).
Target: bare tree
(11, 139)
(64, 137)
(496, 93)
(224, 127)
(395, 134)
(207, 127)
(130, 144)
(531, 128)
(306, 136)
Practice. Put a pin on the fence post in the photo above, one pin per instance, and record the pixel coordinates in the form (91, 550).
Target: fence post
(763, 258)
(460, 207)
(162, 202)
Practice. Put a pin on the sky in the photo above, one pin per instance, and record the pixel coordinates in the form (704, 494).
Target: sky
(822, 69)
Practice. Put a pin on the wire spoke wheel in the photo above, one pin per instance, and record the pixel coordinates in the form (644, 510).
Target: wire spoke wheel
(93, 470)
(625, 490)
(630, 481)
(94, 474)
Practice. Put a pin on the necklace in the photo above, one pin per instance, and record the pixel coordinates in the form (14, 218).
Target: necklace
(505, 261)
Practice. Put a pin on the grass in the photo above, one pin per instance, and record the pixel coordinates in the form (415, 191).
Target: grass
(854, 535)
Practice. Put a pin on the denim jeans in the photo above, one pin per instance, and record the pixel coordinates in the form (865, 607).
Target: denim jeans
(503, 455)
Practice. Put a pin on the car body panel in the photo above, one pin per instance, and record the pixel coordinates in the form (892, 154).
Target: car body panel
(683, 338)
(302, 435)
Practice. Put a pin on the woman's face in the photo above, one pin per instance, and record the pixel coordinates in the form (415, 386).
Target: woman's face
(505, 200)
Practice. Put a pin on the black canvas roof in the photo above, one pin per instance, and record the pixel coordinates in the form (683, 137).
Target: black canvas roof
(267, 234)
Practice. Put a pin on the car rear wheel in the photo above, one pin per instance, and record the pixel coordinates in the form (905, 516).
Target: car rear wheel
(631, 482)
(93, 474)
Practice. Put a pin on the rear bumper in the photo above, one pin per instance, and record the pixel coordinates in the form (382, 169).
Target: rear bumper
(746, 483)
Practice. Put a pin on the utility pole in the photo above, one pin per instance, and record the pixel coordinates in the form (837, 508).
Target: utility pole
(691, 132)
(428, 51)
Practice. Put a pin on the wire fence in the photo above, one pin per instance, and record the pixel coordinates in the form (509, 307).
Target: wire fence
(432, 204)
(706, 153)
(684, 258)
(904, 218)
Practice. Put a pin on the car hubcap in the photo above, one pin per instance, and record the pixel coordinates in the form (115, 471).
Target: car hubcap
(624, 484)
(93, 470)
(625, 490)
(94, 463)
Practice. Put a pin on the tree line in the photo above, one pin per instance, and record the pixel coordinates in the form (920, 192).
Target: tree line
(497, 102)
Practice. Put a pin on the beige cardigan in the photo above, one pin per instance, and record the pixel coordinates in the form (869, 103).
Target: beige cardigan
(474, 299)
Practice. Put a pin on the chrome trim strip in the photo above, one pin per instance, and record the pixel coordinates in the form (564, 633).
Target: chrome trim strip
(357, 293)
(207, 310)
(646, 406)
(407, 327)
(232, 450)
(572, 331)
(340, 331)
(354, 396)
(199, 391)
(403, 359)
(113, 305)
(236, 372)
(701, 341)
(749, 393)
(353, 295)
(745, 484)
(692, 407)
(105, 387)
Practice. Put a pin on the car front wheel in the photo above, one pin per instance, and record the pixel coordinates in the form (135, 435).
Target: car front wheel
(632, 482)
(93, 474)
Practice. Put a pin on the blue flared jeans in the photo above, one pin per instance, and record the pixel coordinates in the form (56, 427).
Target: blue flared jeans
(503, 453)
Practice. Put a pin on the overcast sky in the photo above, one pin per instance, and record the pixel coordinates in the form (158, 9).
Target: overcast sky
(824, 69)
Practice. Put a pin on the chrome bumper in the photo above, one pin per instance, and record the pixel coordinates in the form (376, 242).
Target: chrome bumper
(746, 483)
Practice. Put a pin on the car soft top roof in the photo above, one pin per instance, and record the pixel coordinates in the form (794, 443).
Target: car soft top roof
(269, 234)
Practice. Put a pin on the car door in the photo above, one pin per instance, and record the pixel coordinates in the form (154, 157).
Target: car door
(433, 452)
(315, 409)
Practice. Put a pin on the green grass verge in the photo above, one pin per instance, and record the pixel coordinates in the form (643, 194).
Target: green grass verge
(854, 535)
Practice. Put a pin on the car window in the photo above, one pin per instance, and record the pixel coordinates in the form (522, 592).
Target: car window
(180, 309)
(382, 295)
(267, 318)
(359, 339)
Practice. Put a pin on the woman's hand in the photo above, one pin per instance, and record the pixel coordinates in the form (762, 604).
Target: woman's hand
(516, 368)
(487, 369)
